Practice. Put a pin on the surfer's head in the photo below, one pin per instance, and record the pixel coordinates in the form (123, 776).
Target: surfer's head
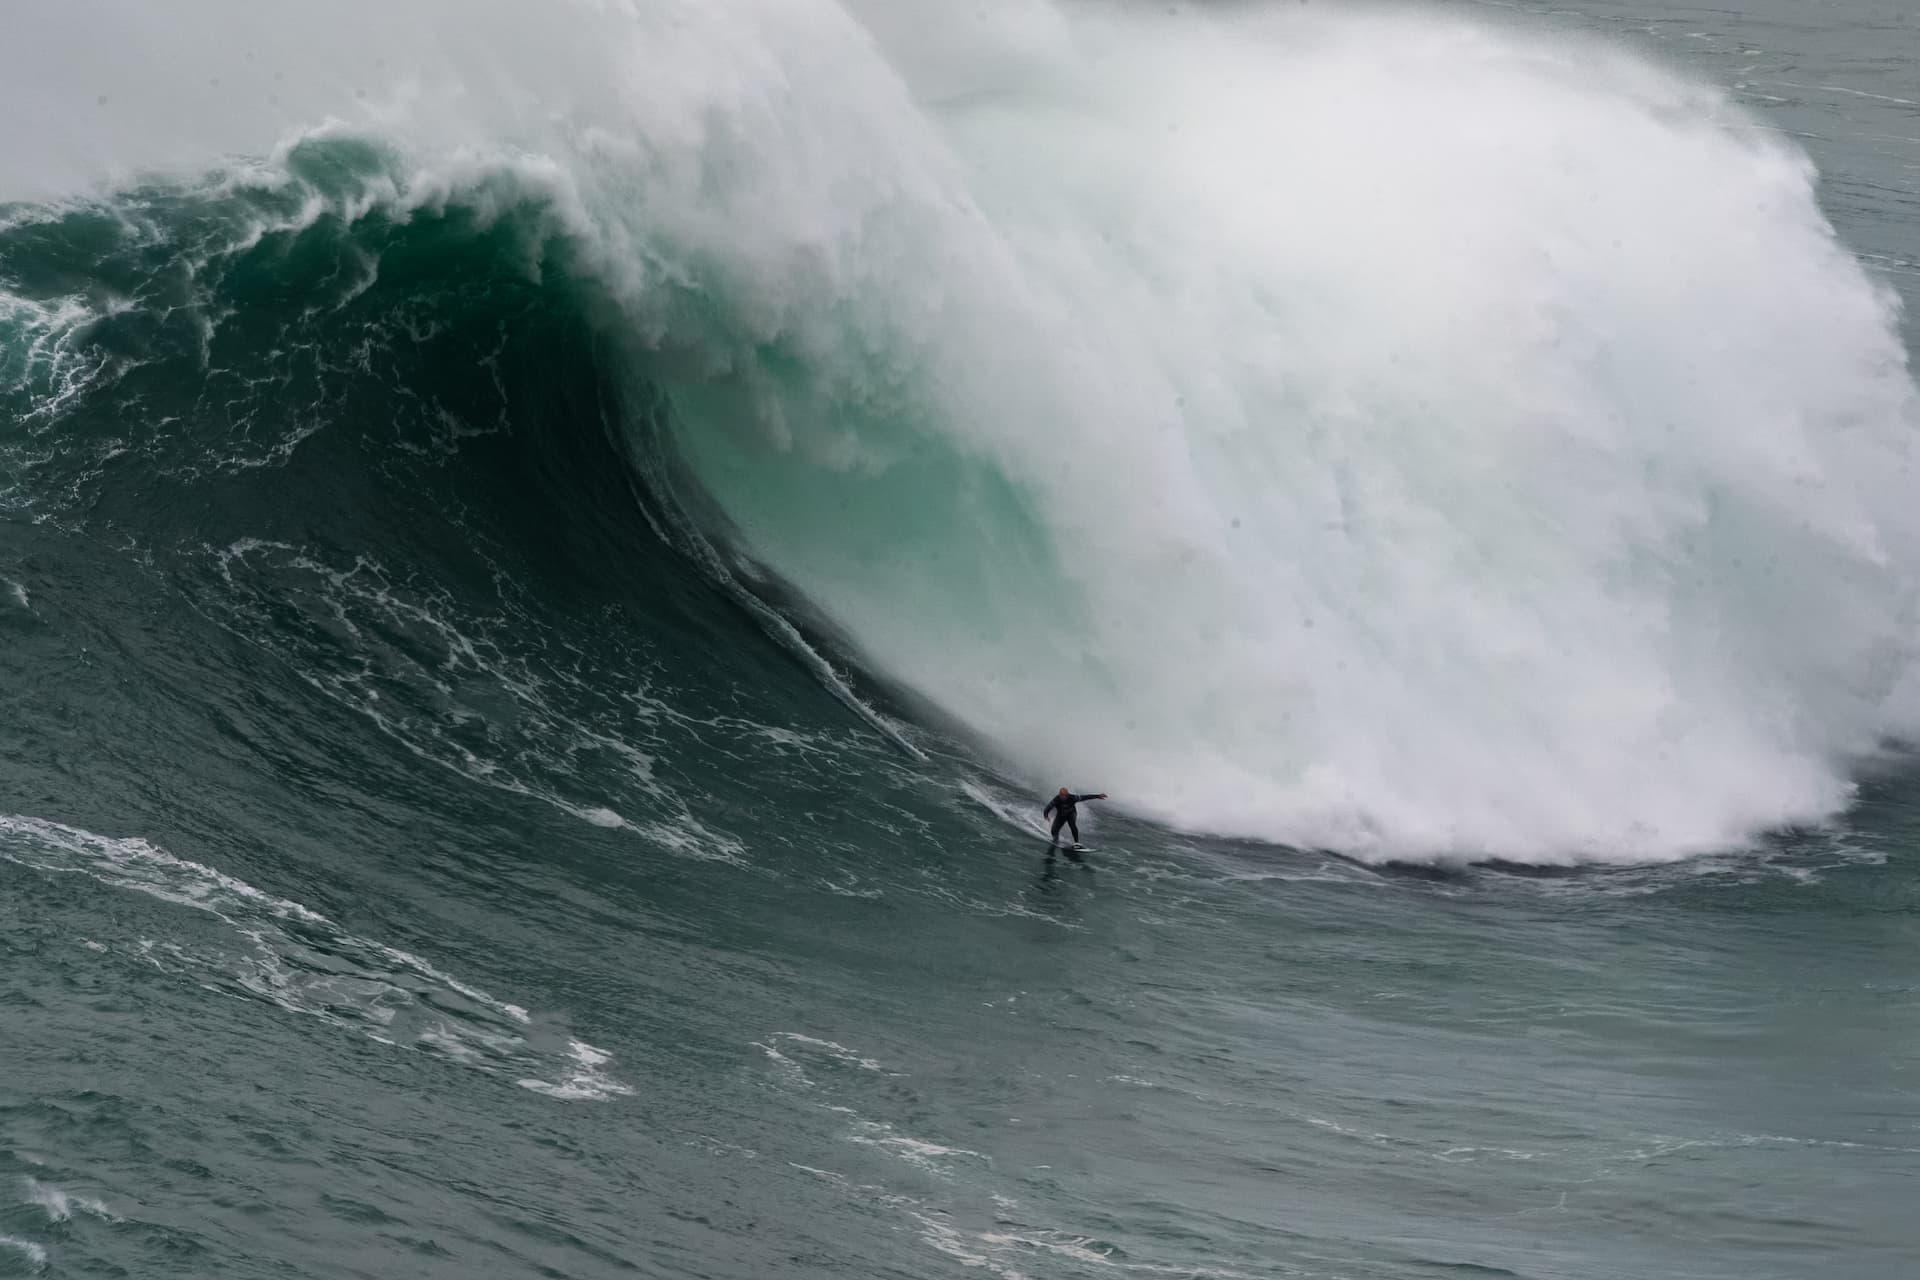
(1064, 792)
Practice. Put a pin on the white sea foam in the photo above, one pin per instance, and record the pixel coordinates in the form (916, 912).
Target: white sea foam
(587, 1081)
(35, 1255)
(931, 1157)
(362, 599)
(828, 1049)
(299, 960)
(60, 1206)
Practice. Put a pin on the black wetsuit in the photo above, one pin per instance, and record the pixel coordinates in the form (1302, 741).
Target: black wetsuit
(1065, 818)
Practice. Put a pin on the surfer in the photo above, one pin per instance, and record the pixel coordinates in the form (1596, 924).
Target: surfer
(1061, 810)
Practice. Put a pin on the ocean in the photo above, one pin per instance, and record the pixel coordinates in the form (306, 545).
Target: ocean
(550, 556)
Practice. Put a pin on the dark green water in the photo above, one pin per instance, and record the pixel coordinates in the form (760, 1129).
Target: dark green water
(420, 857)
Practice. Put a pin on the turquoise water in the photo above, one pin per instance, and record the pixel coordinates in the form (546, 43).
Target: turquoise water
(530, 672)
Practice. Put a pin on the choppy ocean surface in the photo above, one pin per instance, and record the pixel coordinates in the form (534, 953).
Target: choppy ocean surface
(550, 555)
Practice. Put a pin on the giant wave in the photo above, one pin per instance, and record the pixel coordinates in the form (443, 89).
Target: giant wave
(1369, 431)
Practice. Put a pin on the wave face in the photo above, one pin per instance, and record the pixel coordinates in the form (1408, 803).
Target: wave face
(1366, 431)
